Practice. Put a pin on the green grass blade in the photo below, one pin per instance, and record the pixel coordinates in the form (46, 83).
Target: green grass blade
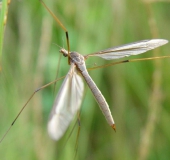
(3, 18)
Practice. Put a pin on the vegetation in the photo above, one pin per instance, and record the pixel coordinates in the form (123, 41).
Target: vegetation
(138, 93)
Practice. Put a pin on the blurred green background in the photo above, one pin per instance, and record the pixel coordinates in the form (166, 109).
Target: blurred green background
(138, 93)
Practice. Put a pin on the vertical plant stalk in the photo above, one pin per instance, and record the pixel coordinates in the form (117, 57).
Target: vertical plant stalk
(45, 40)
(155, 98)
(3, 20)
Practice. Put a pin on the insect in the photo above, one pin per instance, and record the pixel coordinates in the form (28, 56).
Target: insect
(69, 98)
(70, 95)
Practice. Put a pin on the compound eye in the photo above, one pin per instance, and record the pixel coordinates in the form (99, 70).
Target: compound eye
(64, 54)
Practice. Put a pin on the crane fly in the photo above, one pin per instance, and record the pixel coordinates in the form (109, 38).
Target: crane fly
(68, 100)
(70, 95)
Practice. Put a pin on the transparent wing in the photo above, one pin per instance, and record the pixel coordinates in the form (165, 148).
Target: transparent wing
(129, 49)
(66, 104)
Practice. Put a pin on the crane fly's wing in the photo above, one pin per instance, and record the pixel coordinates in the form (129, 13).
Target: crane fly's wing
(129, 49)
(66, 104)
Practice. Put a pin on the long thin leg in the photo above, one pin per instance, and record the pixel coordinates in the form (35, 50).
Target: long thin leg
(26, 105)
(78, 134)
(61, 25)
(57, 72)
(125, 61)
